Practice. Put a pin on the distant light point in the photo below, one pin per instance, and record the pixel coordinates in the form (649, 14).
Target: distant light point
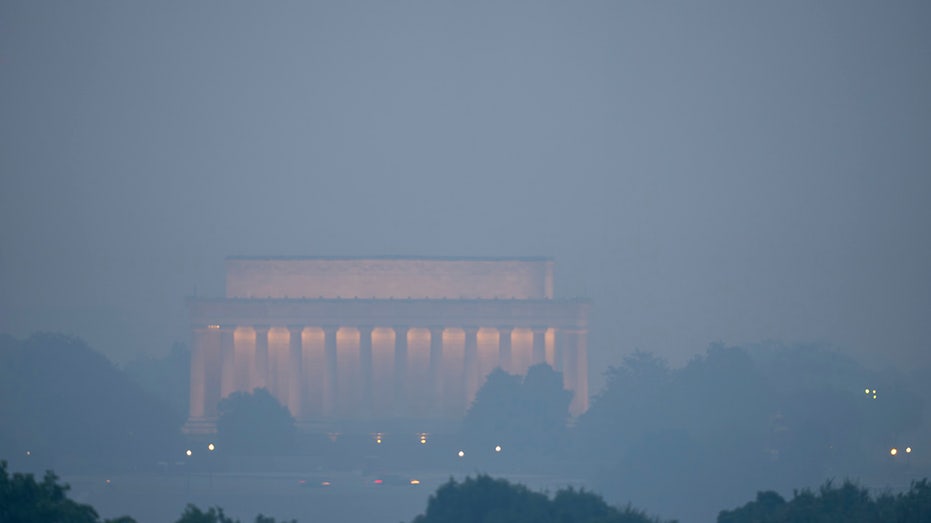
(893, 451)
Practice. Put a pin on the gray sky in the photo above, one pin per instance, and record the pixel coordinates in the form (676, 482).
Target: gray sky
(733, 171)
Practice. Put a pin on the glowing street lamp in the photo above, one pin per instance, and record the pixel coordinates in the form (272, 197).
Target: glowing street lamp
(497, 448)
(893, 451)
(211, 447)
(461, 453)
(188, 453)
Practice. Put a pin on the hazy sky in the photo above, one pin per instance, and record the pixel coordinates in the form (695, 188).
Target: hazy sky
(733, 171)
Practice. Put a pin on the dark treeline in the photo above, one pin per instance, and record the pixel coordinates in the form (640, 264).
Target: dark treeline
(23, 499)
(486, 500)
(686, 442)
(65, 406)
(681, 443)
(849, 503)
(483, 499)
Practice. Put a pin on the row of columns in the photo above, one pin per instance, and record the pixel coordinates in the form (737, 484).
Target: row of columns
(236, 373)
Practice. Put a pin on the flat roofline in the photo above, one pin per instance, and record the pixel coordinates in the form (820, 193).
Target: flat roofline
(218, 299)
(399, 257)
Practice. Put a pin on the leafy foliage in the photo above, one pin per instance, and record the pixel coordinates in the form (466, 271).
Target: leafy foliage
(528, 415)
(70, 407)
(770, 417)
(487, 500)
(849, 503)
(166, 379)
(192, 514)
(25, 500)
(255, 424)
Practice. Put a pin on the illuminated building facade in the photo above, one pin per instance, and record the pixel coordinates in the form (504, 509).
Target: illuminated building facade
(338, 339)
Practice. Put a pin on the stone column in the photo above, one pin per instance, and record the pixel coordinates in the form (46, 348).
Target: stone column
(436, 367)
(296, 371)
(400, 368)
(539, 345)
(331, 402)
(558, 343)
(365, 359)
(471, 364)
(261, 357)
(199, 373)
(213, 368)
(575, 374)
(228, 361)
(504, 348)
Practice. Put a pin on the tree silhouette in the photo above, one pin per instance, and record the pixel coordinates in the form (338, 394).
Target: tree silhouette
(487, 500)
(528, 415)
(25, 500)
(849, 503)
(192, 514)
(255, 424)
(71, 408)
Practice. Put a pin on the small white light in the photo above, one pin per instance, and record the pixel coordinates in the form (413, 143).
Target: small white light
(893, 451)
(908, 450)
(188, 452)
(461, 453)
(497, 448)
(211, 447)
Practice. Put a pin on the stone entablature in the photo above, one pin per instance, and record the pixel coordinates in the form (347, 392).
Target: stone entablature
(353, 312)
(389, 277)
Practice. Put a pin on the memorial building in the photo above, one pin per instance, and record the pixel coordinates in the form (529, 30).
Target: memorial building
(339, 340)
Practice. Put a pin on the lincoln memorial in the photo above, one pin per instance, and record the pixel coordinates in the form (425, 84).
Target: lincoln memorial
(342, 339)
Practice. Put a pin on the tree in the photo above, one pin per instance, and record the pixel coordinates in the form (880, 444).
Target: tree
(25, 500)
(255, 424)
(848, 502)
(71, 408)
(528, 415)
(166, 379)
(487, 500)
(192, 514)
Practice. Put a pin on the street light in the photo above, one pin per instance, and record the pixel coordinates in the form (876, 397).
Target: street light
(188, 452)
(211, 447)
